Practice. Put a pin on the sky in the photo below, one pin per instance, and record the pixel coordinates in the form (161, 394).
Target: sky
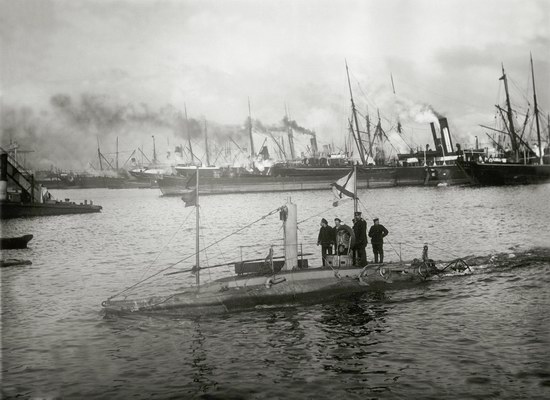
(211, 57)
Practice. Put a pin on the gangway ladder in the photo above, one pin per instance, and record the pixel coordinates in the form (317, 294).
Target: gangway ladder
(22, 179)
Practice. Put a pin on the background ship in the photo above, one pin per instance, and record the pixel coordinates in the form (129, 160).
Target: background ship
(516, 161)
(315, 169)
(21, 196)
(418, 167)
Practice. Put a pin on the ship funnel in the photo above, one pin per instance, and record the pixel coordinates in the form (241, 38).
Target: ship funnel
(446, 136)
(4, 176)
(437, 141)
(314, 148)
(289, 215)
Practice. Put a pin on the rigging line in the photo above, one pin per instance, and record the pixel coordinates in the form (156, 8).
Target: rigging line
(389, 222)
(221, 254)
(367, 99)
(521, 91)
(444, 251)
(400, 135)
(370, 215)
(192, 255)
(315, 215)
(207, 262)
(393, 248)
(163, 247)
(449, 252)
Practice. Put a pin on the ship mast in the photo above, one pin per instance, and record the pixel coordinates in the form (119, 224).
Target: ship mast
(197, 243)
(536, 111)
(355, 199)
(367, 121)
(98, 155)
(359, 142)
(188, 134)
(252, 152)
(510, 116)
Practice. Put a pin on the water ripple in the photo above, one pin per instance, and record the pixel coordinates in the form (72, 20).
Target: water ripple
(483, 335)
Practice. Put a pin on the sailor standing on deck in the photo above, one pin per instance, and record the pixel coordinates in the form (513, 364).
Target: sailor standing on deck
(360, 231)
(325, 239)
(377, 232)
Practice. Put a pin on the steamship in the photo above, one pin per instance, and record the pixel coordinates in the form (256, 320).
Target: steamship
(520, 164)
(421, 168)
(427, 167)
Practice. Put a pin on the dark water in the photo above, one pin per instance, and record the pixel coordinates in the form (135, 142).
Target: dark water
(485, 335)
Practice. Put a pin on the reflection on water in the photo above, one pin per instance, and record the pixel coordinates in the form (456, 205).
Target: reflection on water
(201, 370)
(478, 336)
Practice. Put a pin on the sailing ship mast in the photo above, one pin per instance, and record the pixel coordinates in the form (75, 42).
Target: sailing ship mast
(188, 134)
(98, 155)
(367, 121)
(252, 151)
(536, 111)
(510, 116)
(358, 139)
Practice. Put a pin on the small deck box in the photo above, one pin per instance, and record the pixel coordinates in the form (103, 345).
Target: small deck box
(336, 261)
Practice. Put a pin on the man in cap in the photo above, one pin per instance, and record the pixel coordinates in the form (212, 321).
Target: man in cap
(377, 232)
(325, 239)
(360, 231)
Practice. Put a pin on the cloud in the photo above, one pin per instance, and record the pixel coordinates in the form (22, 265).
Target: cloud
(213, 56)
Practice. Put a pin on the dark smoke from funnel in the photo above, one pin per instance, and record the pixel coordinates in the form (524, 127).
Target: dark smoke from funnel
(257, 125)
(65, 134)
(288, 123)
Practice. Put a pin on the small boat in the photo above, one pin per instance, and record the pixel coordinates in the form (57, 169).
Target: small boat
(14, 262)
(271, 282)
(15, 242)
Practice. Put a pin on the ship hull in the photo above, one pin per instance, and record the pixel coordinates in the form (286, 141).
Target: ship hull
(496, 174)
(316, 178)
(437, 175)
(290, 288)
(10, 210)
(384, 176)
(176, 186)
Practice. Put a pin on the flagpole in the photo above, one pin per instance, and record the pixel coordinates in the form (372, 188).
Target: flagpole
(354, 188)
(197, 244)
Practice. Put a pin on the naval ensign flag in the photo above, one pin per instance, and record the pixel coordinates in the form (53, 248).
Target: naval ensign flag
(344, 188)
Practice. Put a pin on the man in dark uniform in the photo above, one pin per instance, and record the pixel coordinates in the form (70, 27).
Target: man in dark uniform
(377, 232)
(360, 231)
(325, 239)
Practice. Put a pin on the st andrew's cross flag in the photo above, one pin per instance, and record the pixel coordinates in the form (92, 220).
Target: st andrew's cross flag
(344, 188)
